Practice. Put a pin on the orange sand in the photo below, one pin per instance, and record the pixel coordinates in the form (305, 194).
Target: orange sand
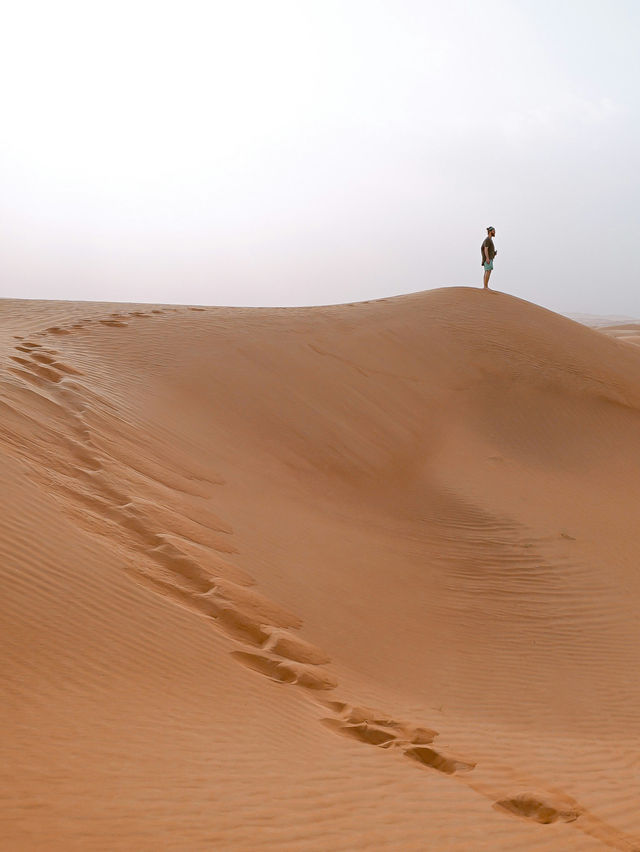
(343, 578)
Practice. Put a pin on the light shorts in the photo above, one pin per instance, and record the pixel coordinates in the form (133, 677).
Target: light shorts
(488, 266)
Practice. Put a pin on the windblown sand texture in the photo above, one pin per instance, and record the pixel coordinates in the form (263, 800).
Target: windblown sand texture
(342, 578)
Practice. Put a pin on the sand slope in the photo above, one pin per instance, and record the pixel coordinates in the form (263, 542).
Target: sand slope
(355, 577)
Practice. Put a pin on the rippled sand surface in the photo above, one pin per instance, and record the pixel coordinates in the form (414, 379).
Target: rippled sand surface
(339, 578)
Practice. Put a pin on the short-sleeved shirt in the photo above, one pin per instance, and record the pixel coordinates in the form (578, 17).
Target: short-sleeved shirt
(488, 242)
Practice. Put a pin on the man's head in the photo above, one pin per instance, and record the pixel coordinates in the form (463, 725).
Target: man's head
(491, 231)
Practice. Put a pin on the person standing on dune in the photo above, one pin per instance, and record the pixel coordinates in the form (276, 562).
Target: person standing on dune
(488, 253)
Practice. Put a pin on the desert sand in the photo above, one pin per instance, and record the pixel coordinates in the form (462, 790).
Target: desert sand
(335, 578)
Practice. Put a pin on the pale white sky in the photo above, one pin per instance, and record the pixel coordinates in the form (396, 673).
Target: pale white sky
(310, 152)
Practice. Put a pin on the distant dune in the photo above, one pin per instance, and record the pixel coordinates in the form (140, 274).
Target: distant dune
(338, 578)
(598, 321)
(621, 328)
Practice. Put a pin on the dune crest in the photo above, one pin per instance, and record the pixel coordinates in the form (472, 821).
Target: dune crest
(230, 534)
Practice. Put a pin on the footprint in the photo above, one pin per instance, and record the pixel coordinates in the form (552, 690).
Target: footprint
(237, 624)
(285, 644)
(212, 563)
(369, 715)
(433, 759)
(287, 672)
(29, 377)
(338, 707)
(418, 735)
(44, 372)
(537, 808)
(65, 368)
(169, 556)
(375, 728)
(313, 678)
(407, 733)
(56, 329)
(47, 373)
(81, 454)
(42, 358)
(116, 323)
(362, 732)
(24, 361)
(265, 666)
(253, 603)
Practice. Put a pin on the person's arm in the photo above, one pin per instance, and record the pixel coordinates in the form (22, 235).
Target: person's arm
(486, 253)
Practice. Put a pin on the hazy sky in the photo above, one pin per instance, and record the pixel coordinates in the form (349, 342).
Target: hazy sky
(271, 152)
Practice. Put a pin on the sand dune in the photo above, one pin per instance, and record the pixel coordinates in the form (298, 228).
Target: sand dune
(598, 321)
(351, 577)
(627, 332)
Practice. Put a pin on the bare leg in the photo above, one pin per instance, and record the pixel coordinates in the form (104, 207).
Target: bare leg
(487, 275)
